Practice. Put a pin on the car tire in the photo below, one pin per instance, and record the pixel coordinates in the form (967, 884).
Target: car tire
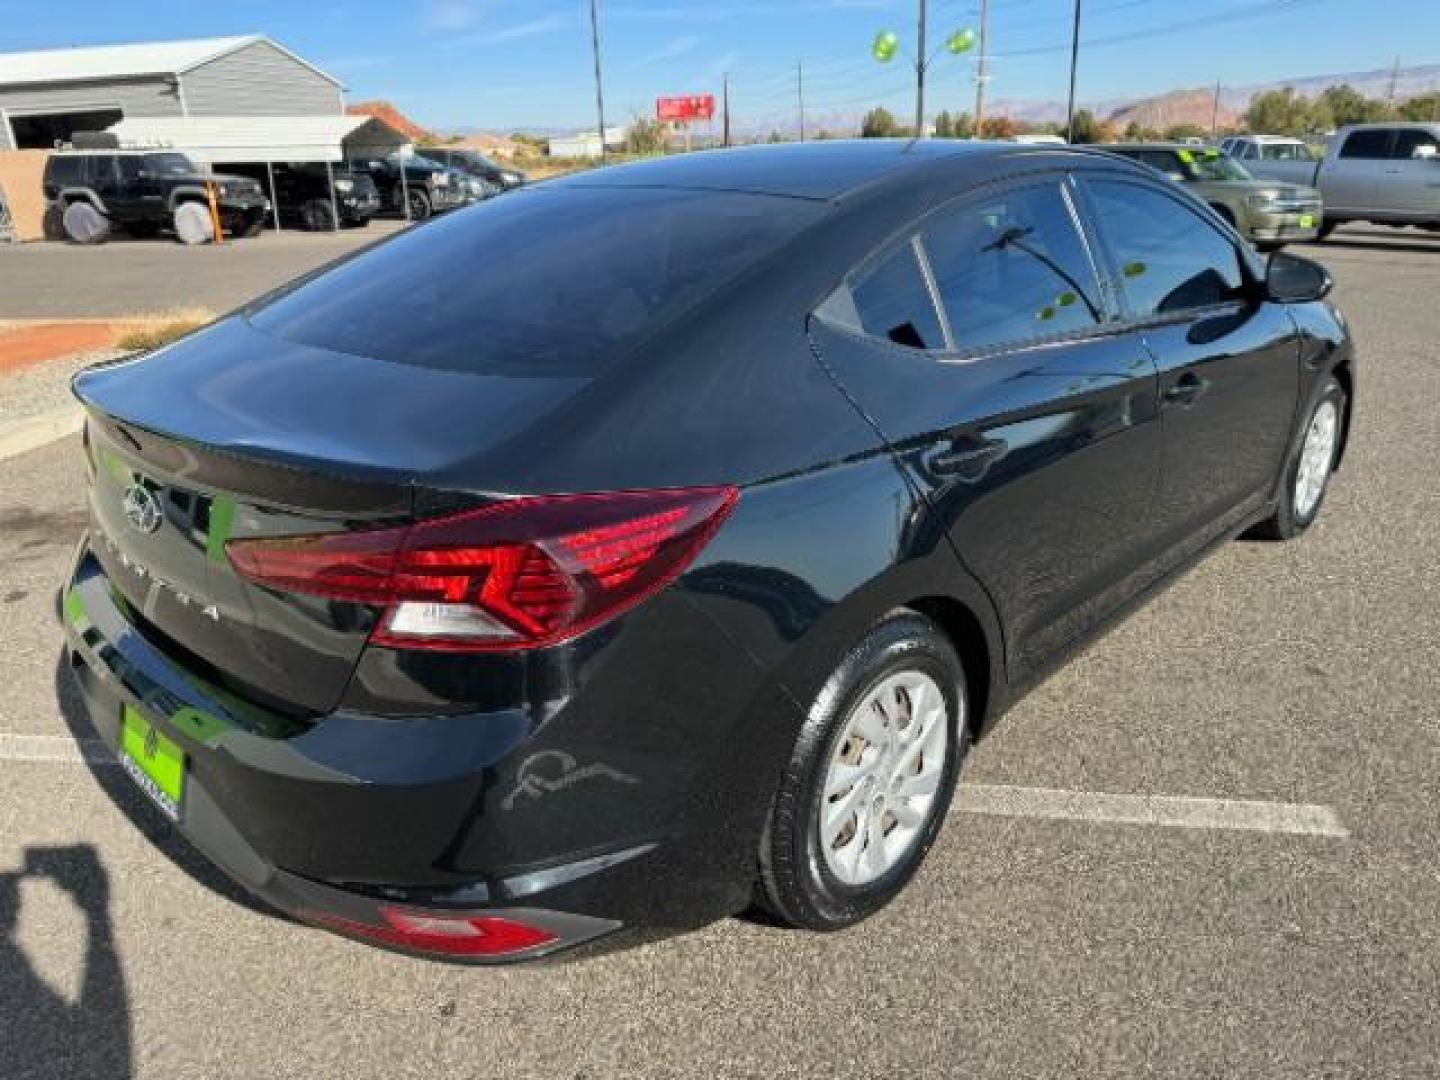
(1327, 226)
(420, 208)
(870, 736)
(1308, 466)
(318, 215)
(192, 223)
(253, 228)
(84, 224)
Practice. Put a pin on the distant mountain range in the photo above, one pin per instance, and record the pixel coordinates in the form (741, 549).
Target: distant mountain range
(1182, 106)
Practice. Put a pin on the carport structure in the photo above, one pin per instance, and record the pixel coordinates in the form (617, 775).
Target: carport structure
(224, 141)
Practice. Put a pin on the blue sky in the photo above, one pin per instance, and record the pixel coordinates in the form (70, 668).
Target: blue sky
(507, 63)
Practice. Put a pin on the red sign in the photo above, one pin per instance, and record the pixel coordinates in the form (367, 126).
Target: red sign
(689, 107)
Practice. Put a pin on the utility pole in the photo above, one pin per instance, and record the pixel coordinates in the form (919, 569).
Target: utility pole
(725, 100)
(599, 93)
(981, 73)
(800, 94)
(1215, 111)
(1074, 63)
(920, 65)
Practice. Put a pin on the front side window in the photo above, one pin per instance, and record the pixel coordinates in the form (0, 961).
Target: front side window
(1411, 143)
(1370, 145)
(1012, 268)
(65, 171)
(1166, 258)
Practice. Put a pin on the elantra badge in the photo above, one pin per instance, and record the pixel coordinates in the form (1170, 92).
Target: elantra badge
(142, 509)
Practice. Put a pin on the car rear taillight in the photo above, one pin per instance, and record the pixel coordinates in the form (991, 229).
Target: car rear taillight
(519, 574)
(442, 933)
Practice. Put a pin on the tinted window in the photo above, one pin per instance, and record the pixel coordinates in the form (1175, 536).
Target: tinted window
(1409, 140)
(65, 171)
(1167, 258)
(130, 168)
(1012, 268)
(1163, 160)
(889, 300)
(551, 281)
(1366, 144)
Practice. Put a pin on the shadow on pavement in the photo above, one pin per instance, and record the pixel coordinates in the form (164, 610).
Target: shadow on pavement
(127, 797)
(42, 1033)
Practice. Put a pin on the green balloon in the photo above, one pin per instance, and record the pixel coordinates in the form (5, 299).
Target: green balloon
(960, 41)
(887, 42)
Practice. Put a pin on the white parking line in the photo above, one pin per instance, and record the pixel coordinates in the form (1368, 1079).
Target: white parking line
(1166, 811)
(22, 436)
(59, 748)
(1171, 811)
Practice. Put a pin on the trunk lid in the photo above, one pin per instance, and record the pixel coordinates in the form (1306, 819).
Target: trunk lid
(234, 434)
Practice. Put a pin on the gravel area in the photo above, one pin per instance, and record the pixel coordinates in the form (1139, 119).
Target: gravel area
(41, 388)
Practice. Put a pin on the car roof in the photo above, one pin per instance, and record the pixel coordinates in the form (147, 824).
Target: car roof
(823, 170)
(1117, 148)
(1386, 125)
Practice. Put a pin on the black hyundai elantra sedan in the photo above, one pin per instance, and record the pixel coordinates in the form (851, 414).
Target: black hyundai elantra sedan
(653, 543)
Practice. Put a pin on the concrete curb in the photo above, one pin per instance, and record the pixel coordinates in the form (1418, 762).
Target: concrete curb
(22, 436)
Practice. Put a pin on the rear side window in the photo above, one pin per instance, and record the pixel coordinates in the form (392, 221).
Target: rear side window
(1414, 143)
(889, 300)
(1012, 268)
(549, 281)
(1166, 258)
(1367, 144)
(65, 170)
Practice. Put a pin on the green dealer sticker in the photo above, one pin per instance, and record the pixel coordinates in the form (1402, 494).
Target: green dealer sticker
(153, 761)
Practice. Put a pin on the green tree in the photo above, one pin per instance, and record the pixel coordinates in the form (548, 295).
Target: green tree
(944, 125)
(645, 136)
(1087, 129)
(1421, 107)
(1279, 112)
(878, 123)
(1347, 105)
(963, 126)
(775, 136)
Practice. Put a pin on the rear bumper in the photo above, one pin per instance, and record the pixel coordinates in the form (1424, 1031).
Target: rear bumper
(333, 819)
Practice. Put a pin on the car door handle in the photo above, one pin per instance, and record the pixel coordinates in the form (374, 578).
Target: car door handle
(1187, 389)
(969, 457)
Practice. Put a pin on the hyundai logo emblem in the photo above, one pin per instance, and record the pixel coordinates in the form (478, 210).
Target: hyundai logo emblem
(142, 509)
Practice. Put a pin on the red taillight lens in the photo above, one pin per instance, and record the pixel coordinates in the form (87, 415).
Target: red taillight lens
(444, 934)
(516, 575)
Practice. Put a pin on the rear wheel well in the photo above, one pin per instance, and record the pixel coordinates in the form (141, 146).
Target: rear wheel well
(960, 625)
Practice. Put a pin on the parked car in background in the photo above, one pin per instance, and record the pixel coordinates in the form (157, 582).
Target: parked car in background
(473, 163)
(305, 199)
(140, 191)
(676, 529)
(1273, 157)
(1387, 174)
(426, 186)
(1266, 213)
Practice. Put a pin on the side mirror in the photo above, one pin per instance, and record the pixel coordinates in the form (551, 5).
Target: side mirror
(1289, 279)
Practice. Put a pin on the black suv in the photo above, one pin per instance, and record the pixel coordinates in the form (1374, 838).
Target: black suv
(303, 195)
(473, 163)
(140, 190)
(428, 185)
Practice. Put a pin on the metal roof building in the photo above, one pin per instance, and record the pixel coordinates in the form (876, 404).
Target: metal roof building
(48, 95)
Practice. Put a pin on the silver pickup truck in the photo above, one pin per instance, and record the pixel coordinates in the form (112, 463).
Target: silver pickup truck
(1388, 174)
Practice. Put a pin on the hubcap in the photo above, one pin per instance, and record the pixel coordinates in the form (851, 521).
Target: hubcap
(1316, 457)
(881, 787)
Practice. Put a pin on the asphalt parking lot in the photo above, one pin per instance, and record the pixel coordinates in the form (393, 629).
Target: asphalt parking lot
(141, 277)
(1288, 928)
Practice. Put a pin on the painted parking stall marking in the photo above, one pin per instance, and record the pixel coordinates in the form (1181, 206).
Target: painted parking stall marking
(996, 800)
(1167, 811)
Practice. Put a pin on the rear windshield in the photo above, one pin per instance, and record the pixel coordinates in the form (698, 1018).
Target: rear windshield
(542, 282)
